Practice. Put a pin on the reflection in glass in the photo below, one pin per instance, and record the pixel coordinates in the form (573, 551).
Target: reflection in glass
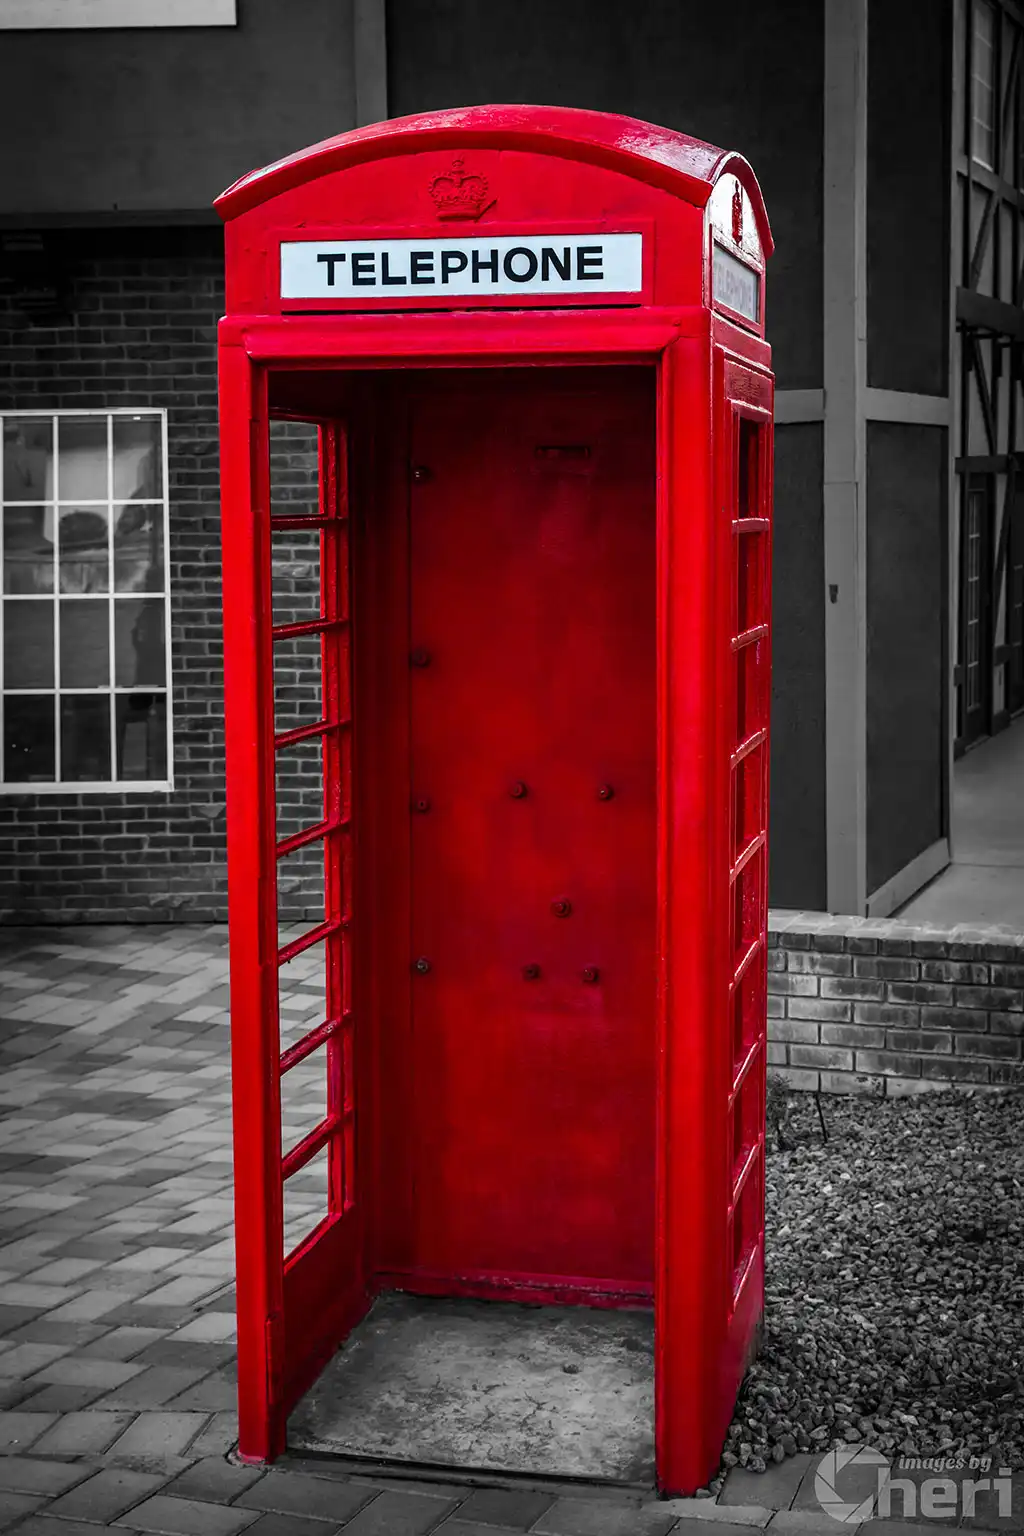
(28, 549)
(28, 644)
(82, 458)
(138, 458)
(28, 459)
(28, 738)
(82, 549)
(141, 732)
(85, 738)
(84, 644)
(138, 548)
(139, 642)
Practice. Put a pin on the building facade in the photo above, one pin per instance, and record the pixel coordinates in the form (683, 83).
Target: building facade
(888, 144)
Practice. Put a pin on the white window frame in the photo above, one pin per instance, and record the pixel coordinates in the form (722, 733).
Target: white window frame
(112, 691)
(82, 15)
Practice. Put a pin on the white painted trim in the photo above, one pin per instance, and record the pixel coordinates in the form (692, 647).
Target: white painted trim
(845, 378)
(75, 15)
(370, 61)
(912, 410)
(795, 406)
(907, 881)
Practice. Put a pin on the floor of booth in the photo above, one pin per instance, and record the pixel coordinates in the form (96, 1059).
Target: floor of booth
(490, 1386)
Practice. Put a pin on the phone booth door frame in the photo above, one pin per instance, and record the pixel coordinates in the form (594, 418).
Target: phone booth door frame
(712, 522)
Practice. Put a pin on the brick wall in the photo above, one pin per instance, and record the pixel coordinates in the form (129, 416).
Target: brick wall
(878, 1006)
(137, 327)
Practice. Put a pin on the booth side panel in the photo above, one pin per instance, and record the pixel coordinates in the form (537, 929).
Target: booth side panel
(742, 505)
(251, 905)
(689, 1117)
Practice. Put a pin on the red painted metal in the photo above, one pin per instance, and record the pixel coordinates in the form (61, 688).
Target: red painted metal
(420, 1121)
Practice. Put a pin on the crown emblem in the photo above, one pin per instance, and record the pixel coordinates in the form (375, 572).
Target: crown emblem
(460, 194)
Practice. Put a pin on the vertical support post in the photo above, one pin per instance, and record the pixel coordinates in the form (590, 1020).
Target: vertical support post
(370, 61)
(958, 266)
(688, 1280)
(252, 902)
(845, 503)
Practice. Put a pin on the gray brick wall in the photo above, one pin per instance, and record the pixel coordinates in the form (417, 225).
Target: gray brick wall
(139, 329)
(859, 1005)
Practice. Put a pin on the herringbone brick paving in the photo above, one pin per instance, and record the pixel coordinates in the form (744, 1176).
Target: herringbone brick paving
(117, 1381)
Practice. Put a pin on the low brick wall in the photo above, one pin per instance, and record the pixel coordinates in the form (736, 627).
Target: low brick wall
(869, 1005)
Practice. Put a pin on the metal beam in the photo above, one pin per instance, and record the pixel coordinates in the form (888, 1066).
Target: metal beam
(845, 373)
(370, 61)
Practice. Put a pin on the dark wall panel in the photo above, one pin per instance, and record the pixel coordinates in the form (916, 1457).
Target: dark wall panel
(906, 672)
(908, 195)
(98, 121)
(747, 76)
(797, 870)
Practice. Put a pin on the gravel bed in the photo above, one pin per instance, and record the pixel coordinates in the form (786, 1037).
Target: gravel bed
(895, 1282)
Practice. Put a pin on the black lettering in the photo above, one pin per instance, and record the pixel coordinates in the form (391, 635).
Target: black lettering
(331, 261)
(385, 274)
(531, 264)
(421, 267)
(588, 263)
(453, 261)
(549, 259)
(362, 269)
(491, 264)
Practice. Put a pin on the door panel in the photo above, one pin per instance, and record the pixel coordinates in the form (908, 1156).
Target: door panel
(532, 718)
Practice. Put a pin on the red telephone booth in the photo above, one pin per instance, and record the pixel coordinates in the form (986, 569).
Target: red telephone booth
(532, 343)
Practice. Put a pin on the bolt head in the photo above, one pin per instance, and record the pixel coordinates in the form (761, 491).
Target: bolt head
(518, 790)
(531, 972)
(605, 792)
(562, 907)
(422, 965)
(591, 974)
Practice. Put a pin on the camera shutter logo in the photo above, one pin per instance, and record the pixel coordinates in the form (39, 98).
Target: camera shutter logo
(828, 1489)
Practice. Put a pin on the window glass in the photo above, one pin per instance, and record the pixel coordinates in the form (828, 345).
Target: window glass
(28, 458)
(85, 738)
(28, 738)
(84, 644)
(82, 458)
(983, 85)
(83, 599)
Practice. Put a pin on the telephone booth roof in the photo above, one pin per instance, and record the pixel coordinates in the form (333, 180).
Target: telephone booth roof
(685, 167)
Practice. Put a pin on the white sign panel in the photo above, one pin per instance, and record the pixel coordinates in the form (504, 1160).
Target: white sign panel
(734, 283)
(457, 266)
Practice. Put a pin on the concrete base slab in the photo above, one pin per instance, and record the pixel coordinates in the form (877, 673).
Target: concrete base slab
(490, 1386)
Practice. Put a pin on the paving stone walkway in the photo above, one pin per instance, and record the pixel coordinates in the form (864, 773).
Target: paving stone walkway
(117, 1384)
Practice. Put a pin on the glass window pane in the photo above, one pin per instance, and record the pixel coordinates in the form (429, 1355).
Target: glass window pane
(28, 459)
(141, 730)
(85, 738)
(28, 549)
(28, 738)
(138, 548)
(82, 458)
(138, 457)
(139, 642)
(28, 644)
(83, 553)
(84, 643)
